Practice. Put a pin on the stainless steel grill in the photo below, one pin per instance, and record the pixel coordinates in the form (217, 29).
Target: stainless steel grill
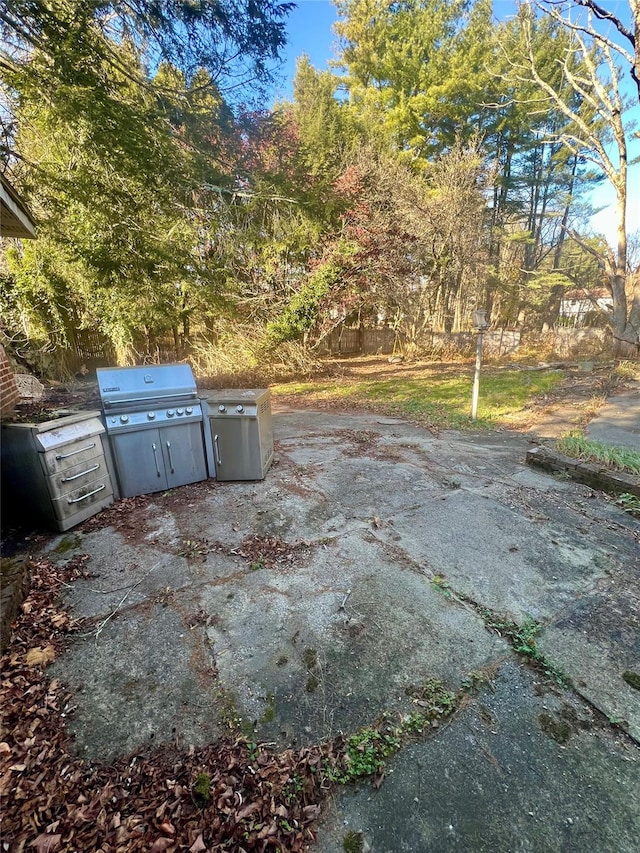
(154, 419)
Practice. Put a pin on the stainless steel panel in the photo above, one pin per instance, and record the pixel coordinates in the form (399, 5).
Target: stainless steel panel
(84, 500)
(183, 451)
(139, 462)
(69, 456)
(151, 460)
(76, 476)
(151, 418)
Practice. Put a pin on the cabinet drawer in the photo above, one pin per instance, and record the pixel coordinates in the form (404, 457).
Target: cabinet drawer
(76, 476)
(69, 456)
(83, 500)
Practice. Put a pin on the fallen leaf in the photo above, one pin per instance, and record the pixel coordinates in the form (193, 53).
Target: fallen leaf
(40, 656)
(248, 810)
(167, 827)
(4, 747)
(198, 845)
(377, 782)
(46, 843)
(160, 845)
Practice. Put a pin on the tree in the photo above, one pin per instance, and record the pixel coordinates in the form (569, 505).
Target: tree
(415, 69)
(410, 248)
(118, 132)
(630, 32)
(602, 142)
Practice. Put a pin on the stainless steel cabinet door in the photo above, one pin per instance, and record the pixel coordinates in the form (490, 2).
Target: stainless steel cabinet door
(183, 453)
(139, 462)
(236, 447)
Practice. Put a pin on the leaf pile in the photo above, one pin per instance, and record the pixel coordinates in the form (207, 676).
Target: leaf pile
(267, 551)
(251, 800)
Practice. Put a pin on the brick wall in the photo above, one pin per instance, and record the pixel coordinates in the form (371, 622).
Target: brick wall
(8, 390)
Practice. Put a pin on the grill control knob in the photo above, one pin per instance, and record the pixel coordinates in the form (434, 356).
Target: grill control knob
(124, 419)
(170, 413)
(240, 409)
(179, 411)
(151, 415)
(189, 410)
(222, 408)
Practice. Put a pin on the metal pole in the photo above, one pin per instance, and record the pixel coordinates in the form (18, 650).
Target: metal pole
(476, 377)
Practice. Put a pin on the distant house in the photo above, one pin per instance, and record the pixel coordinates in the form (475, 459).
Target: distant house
(579, 305)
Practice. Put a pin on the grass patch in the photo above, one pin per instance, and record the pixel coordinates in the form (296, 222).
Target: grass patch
(622, 459)
(442, 400)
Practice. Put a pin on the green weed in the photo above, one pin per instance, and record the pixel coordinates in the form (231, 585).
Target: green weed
(523, 641)
(201, 792)
(439, 583)
(629, 503)
(365, 753)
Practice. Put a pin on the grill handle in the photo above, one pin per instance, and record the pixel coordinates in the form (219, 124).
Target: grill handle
(81, 474)
(217, 449)
(112, 404)
(88, 495)
(173, 470)
(155, 456)
(61, 456)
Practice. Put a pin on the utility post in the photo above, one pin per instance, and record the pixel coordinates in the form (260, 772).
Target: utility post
(480, 324)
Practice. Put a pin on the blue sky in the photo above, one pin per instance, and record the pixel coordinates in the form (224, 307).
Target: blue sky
(310, 31)
(309, 27)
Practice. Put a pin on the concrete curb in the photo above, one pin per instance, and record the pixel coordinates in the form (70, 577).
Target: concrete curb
(613, 482)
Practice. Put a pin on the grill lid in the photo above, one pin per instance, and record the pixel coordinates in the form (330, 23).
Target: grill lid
(121, 386)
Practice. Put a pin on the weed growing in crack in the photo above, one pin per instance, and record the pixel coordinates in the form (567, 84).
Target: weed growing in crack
(192, 548)
(523, 641)
(353, 842)
(365, 753)
(439, 583)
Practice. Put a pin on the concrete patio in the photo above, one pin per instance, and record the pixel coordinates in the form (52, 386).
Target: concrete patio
(309, 603)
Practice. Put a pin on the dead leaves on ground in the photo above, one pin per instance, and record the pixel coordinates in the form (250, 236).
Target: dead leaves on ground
(267, 551)
(56, 803)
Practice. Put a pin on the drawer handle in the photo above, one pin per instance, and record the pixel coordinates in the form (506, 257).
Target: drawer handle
(88, 495)
(173, 470)
(73, 452)
(81, 474)
(217, 448)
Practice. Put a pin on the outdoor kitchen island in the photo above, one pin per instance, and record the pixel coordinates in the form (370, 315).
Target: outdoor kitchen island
(164, 435)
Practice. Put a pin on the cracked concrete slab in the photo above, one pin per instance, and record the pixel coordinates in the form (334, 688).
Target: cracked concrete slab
(515, 770)
(377, 516)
